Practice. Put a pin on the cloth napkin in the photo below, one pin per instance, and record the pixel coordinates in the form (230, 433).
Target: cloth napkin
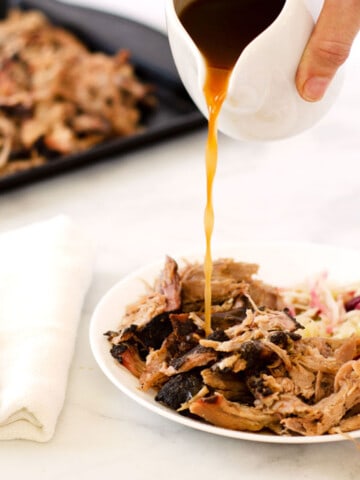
(45, 271)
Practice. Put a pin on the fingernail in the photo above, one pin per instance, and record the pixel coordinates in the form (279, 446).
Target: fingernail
(314, 88)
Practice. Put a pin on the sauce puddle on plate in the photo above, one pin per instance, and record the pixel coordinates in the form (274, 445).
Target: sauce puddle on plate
(221, 29)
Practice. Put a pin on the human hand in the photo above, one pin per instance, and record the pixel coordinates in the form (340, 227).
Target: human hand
(328, 48)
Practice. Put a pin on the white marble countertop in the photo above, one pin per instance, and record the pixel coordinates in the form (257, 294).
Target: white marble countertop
(150, 202)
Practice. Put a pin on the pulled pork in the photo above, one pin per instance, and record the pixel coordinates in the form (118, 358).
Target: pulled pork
(254, 372)
(57, 97)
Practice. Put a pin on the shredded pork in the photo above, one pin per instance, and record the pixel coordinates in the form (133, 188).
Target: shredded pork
(57, 97)
(256, 371)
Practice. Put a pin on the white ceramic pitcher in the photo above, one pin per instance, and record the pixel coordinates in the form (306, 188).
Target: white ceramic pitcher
(262, 101)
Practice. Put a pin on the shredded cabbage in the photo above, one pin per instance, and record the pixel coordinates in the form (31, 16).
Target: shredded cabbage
(320, 307)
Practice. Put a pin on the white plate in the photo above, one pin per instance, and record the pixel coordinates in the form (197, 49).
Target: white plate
(280, 264)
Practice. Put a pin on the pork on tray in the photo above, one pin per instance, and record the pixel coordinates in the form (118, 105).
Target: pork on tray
(57, 97)
(256, 371)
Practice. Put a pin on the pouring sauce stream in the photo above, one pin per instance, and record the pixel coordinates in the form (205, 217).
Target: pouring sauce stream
(221, 29)
(215, 90)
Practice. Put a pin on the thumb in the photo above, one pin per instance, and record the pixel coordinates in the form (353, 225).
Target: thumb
(328, 47)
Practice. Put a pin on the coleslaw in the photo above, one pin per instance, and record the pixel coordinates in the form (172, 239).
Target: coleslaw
(325, 309)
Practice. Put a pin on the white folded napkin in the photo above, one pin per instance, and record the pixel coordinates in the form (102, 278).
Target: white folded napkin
(45, 271)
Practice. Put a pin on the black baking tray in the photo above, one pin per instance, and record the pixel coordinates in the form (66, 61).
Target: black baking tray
(151, 56)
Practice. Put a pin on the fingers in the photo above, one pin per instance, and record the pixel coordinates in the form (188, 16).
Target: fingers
(328, 47)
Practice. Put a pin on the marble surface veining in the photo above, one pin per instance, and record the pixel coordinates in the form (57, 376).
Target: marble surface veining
(150, 202)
